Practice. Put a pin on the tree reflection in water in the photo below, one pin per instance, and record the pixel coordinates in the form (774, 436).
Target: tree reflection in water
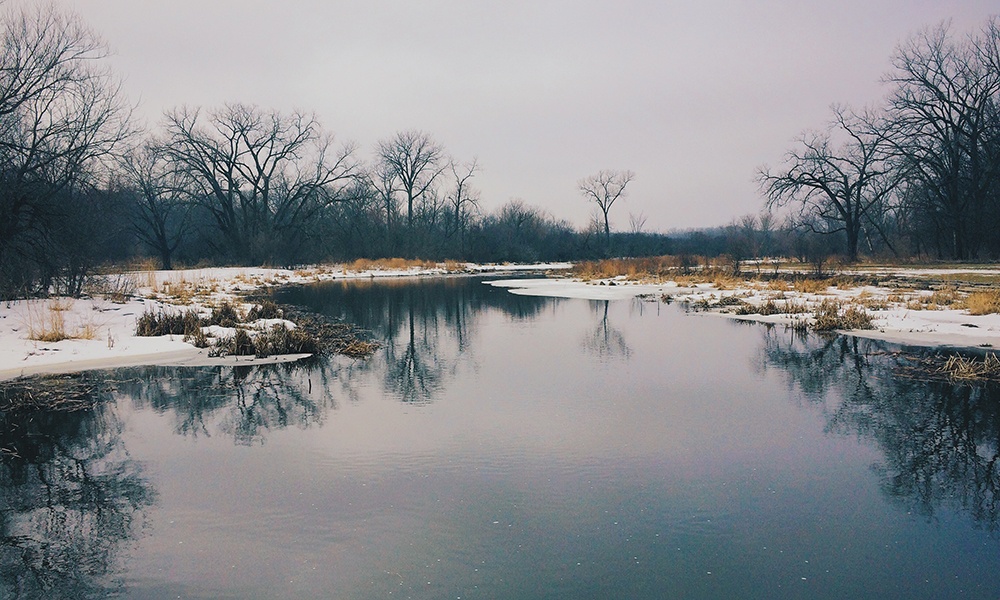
(71, 500)
(241, 402)
(940, 439)
(425, 326)
(605, 340)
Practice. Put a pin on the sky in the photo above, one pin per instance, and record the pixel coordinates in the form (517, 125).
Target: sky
(692, 96)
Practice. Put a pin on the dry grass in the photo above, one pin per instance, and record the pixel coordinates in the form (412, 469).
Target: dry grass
(387, 264)
(359, 349)
(114, 287)
(276, 340)
(49, 323)
(983, 303)
(972, 278)
(946, 297)
(812, 286)
(60, 304)
(960, 367)
(770, 307)
(831, 315)
(168, 323)
(655, 268)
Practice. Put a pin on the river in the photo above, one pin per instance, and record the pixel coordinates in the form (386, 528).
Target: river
(501, 446)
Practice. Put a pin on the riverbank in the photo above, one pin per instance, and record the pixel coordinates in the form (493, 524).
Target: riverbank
(65, 335)
(920, 307)
(62, 335)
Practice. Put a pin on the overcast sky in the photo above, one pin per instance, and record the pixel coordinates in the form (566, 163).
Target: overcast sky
(692, 96)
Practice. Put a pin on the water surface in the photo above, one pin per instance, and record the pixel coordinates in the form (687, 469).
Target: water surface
(519, 447)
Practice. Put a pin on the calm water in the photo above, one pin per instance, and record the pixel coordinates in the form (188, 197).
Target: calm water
(508, 447)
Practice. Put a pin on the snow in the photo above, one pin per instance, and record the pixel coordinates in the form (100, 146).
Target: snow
(110, 326)
(896, 323)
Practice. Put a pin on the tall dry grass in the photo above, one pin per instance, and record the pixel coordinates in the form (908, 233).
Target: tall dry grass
(48, 323)
(983, 303)
(386, 264)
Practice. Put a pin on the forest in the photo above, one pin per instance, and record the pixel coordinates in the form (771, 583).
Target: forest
(915, 176)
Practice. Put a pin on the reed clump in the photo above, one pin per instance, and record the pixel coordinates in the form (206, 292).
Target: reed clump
(830, 316)
(168, 323)
(279, 339)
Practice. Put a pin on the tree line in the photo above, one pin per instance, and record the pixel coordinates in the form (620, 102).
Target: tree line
(917, 174)
(81, 185)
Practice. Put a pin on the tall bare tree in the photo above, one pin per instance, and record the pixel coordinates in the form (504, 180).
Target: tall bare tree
(160, 207)
(945, 108)
(261, 174)
(835, 178)
(414, 161)
(603, 189)
(61, 115)
(463, 198)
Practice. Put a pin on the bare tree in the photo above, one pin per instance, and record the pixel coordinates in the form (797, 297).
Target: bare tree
(262, 175)
(945, 111)
(413, 161)
(604, 189)
(463, 198)
(835, 187)
(61, 116)
(160, 212)
(636, 223)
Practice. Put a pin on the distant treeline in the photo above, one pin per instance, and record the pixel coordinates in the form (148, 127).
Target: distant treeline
(82, 186)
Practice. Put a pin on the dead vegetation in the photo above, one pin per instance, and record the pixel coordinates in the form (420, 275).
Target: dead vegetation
(954, 368)
(983, 303)
(831, 316)
(47, 322)
(65, 393)
(277, 340)
(388, 264)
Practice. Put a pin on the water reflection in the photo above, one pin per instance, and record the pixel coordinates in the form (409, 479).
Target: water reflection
(605, 340)
(425, 326)
(71, 500)
(940, 440)
(242, 402)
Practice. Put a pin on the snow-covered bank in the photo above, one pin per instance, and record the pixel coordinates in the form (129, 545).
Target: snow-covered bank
(100, 330)
(894, 317)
